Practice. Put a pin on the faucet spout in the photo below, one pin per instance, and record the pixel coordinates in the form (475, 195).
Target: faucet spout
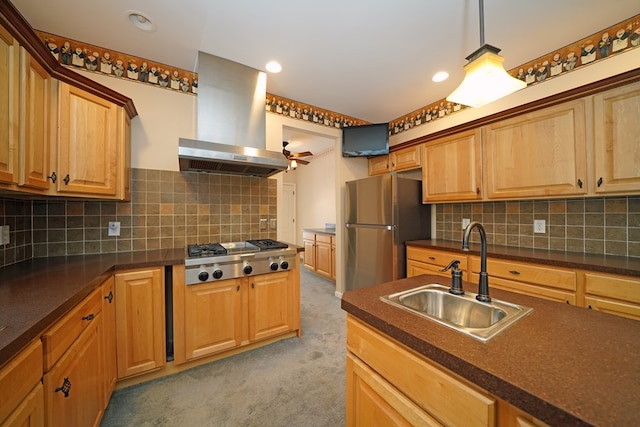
(483, 284)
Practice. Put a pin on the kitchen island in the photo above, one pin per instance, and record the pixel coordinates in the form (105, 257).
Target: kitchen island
(563, 365)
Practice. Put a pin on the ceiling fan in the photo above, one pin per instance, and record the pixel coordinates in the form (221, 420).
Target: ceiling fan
(295, 158)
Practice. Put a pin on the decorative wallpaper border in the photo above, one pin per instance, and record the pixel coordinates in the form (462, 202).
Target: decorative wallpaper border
(81, 56)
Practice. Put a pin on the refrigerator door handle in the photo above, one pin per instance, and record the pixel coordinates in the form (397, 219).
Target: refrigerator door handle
(387, 227)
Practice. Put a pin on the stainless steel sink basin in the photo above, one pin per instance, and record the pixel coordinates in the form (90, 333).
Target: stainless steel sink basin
(463, 313)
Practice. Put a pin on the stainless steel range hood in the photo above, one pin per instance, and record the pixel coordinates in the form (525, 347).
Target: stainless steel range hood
(231, 132)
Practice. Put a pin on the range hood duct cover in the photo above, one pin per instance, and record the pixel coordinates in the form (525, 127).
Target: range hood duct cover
(231, 130)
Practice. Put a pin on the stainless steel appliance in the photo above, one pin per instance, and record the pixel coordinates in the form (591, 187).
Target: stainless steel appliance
(218, 261)
(382, 212)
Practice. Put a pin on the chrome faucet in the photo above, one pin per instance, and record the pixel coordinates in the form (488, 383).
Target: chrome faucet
(483, 285)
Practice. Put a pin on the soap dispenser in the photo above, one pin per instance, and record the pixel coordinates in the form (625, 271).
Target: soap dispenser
(456, 277)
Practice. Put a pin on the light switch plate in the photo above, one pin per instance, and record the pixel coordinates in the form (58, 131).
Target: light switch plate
(273, 223)
(5, 238)
(263, 223)
(465, 222)
(539, 226)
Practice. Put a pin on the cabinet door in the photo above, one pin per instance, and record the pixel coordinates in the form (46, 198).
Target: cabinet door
(323, 255)
(406, 159)
(35, 119)
(538, 154)
(270, 305)
(74, 387)
(109, 337)
(212, 317)
(140, 317)
(310, 254)
(452, 168)
(90, 138)
(379, 165)
(333, 259)
(9, 107)
(372, 401)
(30, 412)
(17, 379)
(619, 295)
(617, 140)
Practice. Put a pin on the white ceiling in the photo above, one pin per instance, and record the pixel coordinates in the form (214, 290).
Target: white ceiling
(372, 60)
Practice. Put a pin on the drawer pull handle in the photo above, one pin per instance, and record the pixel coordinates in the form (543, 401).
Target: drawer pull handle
(516, 272)
(90, 316)
(432, 258)
(238, 288)
(109, 297)
(66, 386)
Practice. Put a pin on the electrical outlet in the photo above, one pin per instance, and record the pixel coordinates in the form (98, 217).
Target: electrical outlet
(465, 222)
(263, 223)
(539, 226)
(114, 228)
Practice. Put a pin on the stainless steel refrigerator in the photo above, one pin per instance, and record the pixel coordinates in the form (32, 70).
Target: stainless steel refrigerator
(382, 212)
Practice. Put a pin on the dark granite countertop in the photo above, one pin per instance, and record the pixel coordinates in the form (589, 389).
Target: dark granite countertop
(563, 364)
(36, 293)
(331, 231)
(629, 266)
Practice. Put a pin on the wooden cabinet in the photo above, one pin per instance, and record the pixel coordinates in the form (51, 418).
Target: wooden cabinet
(432, 261)
(396, 161)
(224, 316)
(110, 363)
(388, 381)
(319, 254)
(538, 154)
(9, 107)
(35, 122)
(73, 379)
(21, 396)
(552, 283)
(617, 141)
(140, 321)
(614, 294)
(92, 145)
(452, 168)
(212, 314)
(272, 305)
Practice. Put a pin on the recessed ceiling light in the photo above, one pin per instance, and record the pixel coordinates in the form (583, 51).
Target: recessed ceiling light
(140, 20)
(440, 76)
(274, 67)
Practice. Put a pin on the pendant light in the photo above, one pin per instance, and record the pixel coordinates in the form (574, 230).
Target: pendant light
(486, 79)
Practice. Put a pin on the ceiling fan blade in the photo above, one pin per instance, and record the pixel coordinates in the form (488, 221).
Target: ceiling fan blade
(302, 162)
(303, 154)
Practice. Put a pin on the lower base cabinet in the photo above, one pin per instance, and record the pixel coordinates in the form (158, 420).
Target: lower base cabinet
(21, 392)
(212, 318)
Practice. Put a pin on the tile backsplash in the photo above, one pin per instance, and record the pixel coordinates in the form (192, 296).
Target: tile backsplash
(595, 225)
(167, 209)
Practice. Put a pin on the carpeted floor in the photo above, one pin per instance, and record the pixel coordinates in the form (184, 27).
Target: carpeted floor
(294, 382)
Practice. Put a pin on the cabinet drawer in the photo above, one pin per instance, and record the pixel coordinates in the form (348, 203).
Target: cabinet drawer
(308, 236)
(324, 238)
(551, 277)
(436, 257)
(429, 386)
(60, 337)
(18, 377)
(617, 287)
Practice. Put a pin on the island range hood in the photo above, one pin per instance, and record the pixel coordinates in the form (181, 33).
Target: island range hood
(231, 131)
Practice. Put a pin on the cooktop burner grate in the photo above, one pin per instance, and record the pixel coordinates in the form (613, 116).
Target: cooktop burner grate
(207, 249)
(268, 244)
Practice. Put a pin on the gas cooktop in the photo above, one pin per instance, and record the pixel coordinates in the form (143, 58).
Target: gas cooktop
(217, 249)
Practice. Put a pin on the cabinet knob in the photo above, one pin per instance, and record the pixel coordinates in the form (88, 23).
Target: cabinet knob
(65, 387)
(478, 190)
(109, 297)
(53, 177)
(600, 181)
(66, 179)
(580, 183)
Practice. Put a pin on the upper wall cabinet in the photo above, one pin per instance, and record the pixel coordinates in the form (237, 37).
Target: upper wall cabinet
(396, 161)
(9, 107)
(452, 168)
(538, 154)
(617, 140)
(92, 145)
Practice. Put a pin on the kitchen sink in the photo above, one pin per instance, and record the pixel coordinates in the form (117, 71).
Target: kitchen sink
(463, 313)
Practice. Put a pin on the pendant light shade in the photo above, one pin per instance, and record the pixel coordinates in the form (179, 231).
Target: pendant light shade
(485, 77)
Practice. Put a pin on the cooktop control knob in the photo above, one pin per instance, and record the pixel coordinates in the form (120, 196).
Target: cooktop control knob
(247, 269)
(217, 274)
(273, 266)
(203, 276)
(284, 265)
